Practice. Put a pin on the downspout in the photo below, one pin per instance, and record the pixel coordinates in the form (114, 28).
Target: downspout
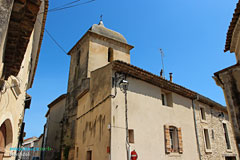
(126, 116)
(123, 84)
(195, 125)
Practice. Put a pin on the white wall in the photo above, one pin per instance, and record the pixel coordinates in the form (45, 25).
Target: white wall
(147, 117)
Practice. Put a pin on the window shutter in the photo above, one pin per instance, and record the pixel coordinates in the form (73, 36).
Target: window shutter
(180, 142)
(167, 139)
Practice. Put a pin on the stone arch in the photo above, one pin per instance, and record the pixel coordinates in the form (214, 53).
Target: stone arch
(6, 137)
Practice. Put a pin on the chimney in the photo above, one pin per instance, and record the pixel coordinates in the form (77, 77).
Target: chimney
(170, 75)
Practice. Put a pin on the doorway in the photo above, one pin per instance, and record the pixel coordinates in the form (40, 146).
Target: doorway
(2, 140)
(89, 155)
(230, 158)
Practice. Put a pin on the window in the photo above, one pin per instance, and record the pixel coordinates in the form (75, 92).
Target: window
(212, 134)
(230, 158)
(203, 116)
(89, 155)
(226, 136)
(166, 99)
(207, 139)
(77, 153)
(78, 58)
(110, 54)
(131, 136)
(73, 129)
(173, 139)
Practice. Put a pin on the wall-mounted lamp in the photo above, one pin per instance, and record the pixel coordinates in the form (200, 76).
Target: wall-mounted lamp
(124, 84)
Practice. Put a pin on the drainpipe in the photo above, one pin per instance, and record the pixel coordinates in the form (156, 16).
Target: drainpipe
(195, 125)
(124, 85)
(126, 116)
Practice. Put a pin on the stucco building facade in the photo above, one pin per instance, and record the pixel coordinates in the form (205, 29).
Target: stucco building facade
(53, 131)
(229, 78)
(21, 33)
(118, 108)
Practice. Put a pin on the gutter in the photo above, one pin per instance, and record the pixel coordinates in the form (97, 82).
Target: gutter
(195, 126)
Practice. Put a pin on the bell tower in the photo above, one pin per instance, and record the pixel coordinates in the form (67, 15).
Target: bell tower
(98, 47)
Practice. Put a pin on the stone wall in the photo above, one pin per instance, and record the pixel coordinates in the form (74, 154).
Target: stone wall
(229, 80)
(214, 123)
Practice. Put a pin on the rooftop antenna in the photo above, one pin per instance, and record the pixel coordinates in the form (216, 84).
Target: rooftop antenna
(162, 73)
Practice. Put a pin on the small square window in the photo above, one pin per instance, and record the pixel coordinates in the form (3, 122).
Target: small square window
(131, 136)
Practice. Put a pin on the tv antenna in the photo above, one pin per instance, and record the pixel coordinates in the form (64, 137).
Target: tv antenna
(162, 73)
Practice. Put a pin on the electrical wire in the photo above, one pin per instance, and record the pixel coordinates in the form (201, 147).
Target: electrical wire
(52, 38)
(65, 4)
(67, 7)
(55, 41)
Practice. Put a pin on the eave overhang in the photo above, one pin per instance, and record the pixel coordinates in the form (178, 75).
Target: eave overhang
(232, 30)
(21, 24)
(141, 74)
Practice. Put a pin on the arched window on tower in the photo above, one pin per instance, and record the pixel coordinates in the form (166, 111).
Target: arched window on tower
(110, 54)
(78, 57)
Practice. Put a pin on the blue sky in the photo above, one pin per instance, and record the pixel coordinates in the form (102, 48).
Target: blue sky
(192, 34)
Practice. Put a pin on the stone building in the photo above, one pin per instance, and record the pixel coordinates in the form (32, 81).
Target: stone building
(118, 108)
(21, 33)
(53, 128)
(229, 78)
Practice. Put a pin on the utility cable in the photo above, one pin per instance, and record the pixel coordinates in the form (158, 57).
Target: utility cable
(55, 41)
(52, 38)
(67, 7)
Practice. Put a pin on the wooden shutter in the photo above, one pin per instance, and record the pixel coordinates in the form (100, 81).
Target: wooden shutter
(180, 142)
(167, 139)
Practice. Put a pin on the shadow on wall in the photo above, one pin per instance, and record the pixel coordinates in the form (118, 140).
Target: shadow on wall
(93, 126)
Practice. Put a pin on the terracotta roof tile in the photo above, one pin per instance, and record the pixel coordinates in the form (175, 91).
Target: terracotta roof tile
(231, 27)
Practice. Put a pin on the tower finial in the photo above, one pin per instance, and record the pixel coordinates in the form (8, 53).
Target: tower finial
(101, 21)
